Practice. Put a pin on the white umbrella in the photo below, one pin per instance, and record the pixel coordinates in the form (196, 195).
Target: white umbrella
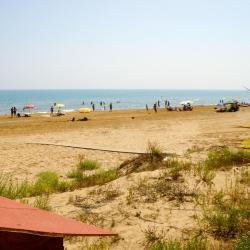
(186, 102)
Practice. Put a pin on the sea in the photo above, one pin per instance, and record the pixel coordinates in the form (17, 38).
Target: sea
(120, 99)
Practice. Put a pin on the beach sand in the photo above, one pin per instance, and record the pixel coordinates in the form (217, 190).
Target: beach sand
(23, 156)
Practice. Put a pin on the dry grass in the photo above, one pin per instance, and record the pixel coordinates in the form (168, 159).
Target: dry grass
(226, 214)
(225, 158)
(150, 191)
(155, 240)
(106, 193)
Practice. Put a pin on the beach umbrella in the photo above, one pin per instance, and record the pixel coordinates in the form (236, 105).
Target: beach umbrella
(186, 102)
(84, 110)
(28, 106)
(59, 105)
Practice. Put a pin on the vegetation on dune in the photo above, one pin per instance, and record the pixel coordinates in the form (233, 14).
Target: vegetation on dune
(150, 191)
(99, 178)
(85, 164)
(245, 144)
(42, 202)
(13, 189)
(206, 174)
(244, 177)
(75, 174)
(228, 215)
(154, 159)
(225, 158)
(155, 240)
(224, 215)
(243, 243)
(46, 183)
(154, 152)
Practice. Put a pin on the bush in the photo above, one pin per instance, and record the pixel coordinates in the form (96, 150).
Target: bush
(154, 152)
(13, 189)
(243, 243)
(224, 224)
(177, 164)
(225, 157)
(156, 241)
(229, 214)
(46, 183)
(42, 202)
(87, 165)
(206, 174)
(75, 174)
(99, 178)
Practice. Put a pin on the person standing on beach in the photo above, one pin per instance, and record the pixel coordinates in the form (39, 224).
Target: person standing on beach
(12, 111)
(146, 107)
(155, 107)
(158, 103)
(93, 106)
(51, 110)
(110, 107)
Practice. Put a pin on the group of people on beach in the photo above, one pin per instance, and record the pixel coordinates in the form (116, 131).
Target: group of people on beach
(157, 105)
(13, 111)
(102, 105)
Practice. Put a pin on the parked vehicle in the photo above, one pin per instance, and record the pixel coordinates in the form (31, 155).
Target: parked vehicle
(231, 106)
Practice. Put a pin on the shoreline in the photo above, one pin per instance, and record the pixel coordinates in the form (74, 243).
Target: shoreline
(71, 111)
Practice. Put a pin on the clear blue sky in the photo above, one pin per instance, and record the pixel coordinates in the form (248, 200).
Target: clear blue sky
(124, 44)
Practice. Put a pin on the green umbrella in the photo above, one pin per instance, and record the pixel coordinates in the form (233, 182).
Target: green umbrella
(59, 105)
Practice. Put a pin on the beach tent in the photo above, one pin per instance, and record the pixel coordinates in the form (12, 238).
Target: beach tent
(23, 227)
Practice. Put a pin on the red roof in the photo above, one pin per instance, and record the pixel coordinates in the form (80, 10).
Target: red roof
(18, 217)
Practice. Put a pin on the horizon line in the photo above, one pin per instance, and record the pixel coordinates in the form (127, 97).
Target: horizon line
(42, 89)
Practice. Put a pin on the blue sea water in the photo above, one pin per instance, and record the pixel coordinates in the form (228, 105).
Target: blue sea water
(121, 99)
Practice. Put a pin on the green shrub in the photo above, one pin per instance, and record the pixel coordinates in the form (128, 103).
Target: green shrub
(175, 172)
(192, 244)
(64, 186)
(13, 189)
(154, 152)
(99, 178)
(224, 224)
(229, 214)
(206, 174)
(225, 157)
(42, 202)
(177, 164)
(75, 174)
(156, 241)
(87, 165)
(46, 183)
(245, 177)
(243, 243)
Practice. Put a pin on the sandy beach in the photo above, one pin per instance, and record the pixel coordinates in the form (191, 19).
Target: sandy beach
(23, 156)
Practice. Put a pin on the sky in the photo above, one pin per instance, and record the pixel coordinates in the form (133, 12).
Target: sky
(124, 44)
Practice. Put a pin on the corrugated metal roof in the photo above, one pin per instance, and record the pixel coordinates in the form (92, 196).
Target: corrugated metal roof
(18, 217)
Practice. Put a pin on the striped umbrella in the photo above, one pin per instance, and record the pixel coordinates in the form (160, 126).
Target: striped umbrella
(28, 106)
